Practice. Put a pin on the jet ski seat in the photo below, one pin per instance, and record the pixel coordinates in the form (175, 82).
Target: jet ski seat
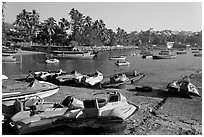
(18, 106)
(67, 101)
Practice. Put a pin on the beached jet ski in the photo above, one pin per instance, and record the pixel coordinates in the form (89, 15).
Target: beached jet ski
(184, 87)
(92, 79)
(94, 113)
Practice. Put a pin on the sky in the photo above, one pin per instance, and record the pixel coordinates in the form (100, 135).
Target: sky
(130, 16)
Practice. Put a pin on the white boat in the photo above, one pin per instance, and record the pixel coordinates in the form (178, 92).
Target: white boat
(4, 77)
(164, 54)
(118, 58)
(36, 88)
(45, 75)
(52, 61)
(183, 87)
(92, 79)
(71, 78)
(9, 58)
(122, 63)
(109, 113)
(181, 52)
(74, 55)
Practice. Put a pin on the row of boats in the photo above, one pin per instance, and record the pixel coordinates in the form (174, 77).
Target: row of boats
(27, 112)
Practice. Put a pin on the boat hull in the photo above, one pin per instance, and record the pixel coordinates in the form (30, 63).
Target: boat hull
(75, 56)
(8, 98)
(163, 57)
(122, 84)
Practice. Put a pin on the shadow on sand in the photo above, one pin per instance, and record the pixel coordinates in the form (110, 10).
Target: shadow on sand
(160, 93)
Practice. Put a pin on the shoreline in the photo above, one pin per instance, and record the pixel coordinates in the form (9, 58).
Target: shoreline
(157, 115)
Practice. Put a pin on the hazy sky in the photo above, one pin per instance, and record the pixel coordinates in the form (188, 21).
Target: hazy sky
(129, 16)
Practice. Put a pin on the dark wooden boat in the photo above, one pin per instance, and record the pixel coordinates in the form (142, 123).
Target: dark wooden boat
(122, 81)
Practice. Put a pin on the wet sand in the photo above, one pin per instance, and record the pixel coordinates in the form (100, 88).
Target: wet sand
(159, 113)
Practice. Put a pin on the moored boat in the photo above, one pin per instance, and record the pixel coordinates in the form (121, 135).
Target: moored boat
(8, 58)
(181, 52)
(164, 54)
(73, 55)
(94, 113)
(199, 54)
(52, 61)
(117, 58)
(122, 63)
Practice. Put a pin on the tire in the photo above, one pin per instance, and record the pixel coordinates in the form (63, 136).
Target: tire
(111, 128)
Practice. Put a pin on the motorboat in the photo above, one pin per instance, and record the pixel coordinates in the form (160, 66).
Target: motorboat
(146, 53)
(199, 54)
(69, 78)
(71, 112)
(164, 54)
(184, 87)
(92, 79)
(23, 91)
(122, 63)
(121, 79)
(52, 61)
(117, 57)
(73, 55)
(48, 75)
(4, 77)
(181, 52)
(8, 58)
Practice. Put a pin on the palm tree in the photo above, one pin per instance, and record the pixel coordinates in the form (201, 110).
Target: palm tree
(77, 23)
(64, 24)
(50, 25)
(28, 21)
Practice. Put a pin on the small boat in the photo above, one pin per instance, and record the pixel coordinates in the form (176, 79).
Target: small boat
(164, 54)
(146, 54)
(8, 58)
(92, 79)
(21, 92)
(4, 77)
(69, 78)
(122, 63)
(101, 113)
(184, 87)
(48, 75)
(181, 52)
(73, 55)
(198, 54)
(118, 58)
(196, 51)
(121, 79)
(52, 61)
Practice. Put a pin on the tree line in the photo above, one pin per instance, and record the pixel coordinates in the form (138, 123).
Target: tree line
(80, 30)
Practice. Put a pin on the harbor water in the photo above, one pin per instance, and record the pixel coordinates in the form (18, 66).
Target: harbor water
(158, 72)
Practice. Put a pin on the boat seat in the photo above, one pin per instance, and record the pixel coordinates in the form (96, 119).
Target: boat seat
(91, 108)
(18, 106)
(113, 99)
(67, 101)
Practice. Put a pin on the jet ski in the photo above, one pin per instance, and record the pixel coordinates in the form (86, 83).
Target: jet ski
(95, 113)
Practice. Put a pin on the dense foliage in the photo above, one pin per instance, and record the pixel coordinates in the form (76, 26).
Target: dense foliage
(83, 30)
